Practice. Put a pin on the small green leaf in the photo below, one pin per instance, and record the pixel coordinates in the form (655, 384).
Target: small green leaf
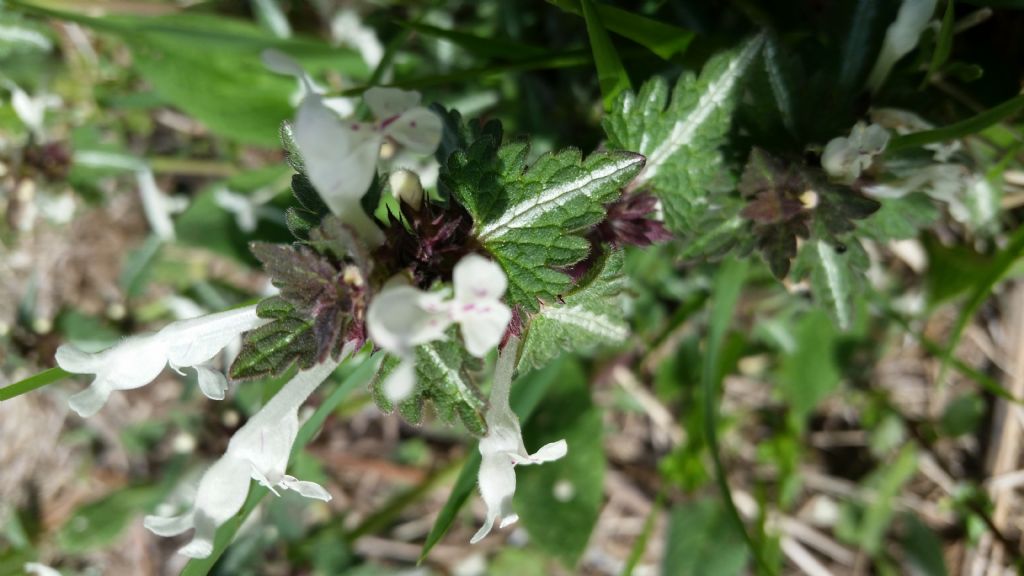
(962, 416)
(922, 547)
(900, 218)
(611, 74)
(810, 372)
(704, 539)
(560, 501)
(680, 137)
(836, 272)
(587, 317)
(272, 348)
(442, 378)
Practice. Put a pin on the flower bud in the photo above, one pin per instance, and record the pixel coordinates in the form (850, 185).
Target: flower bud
(405, 185)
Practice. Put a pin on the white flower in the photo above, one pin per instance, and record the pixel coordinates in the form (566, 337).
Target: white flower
(31, 110)
(502, 449)
(340, 156)
(259, 451)
(406, 187)
(347, 28)
(137, 360)
(247, 208)
(907, 122)
(845, 158)
(901, 37)
(402, 317)
(157, 206)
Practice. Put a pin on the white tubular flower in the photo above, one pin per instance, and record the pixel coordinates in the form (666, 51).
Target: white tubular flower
(31, 110)
(340, 156)
(259, 451)
(157, 206)
(844, 158)
(137, 360)
(483, 317)
(901, 37)
(402, 317)
(502, 449)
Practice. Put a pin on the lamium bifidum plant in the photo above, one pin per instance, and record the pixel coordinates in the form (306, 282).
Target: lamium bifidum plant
(453, 288)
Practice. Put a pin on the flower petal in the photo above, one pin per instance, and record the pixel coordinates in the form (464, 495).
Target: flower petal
(169, 526)
(197, 340)
(477, 278)
(306, 489)
(497, 483)
(341, 162)
(132, 363)
(386, 103)
(418, 129)
(402, 317)
(483, 325)
(547, 453)
(75, 361)
(401, 382)
(213, 384)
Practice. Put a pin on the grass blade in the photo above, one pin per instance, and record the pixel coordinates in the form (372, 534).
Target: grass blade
(960, 129)
(663, 39)
(494, 48)
(611, 75)
(943, 45)
(724, 297)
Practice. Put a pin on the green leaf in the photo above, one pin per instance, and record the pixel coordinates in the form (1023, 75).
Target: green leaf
(680, 138)
(533, 220)
(611, 74)
(704, 539)
(443, 379)
(810, 372)
(98, 525)
(589, 316)
(836, 273)
(526, 394)
(227, 531)
(900, 218)
(562, 526)
(663, 39)
(963, 415)
(857, 47)
(271, 349)
(960, 129)
(922, 547)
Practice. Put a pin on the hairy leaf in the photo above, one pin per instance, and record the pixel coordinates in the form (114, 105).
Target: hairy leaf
(271, 349)
(589, 316)
(836, 270)
(680, 137)
(533, 219)
(443, 379)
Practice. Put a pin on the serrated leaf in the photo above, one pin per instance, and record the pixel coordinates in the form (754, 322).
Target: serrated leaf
(271, 349)
(680, 138)
(532, 219)
(588, 317)
(900, 218)
(303, 276)
(836, 273)
(442, 378)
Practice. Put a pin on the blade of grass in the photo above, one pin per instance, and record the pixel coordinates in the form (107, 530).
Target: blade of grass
(525, 397)
(943, 45)
(568, 59)
(645, 534)
(960, 129)
(226, 533)
(1002, 263)
(724, 297)
(611, 74)
(495, 48)
(663, 39)
(34, 382)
